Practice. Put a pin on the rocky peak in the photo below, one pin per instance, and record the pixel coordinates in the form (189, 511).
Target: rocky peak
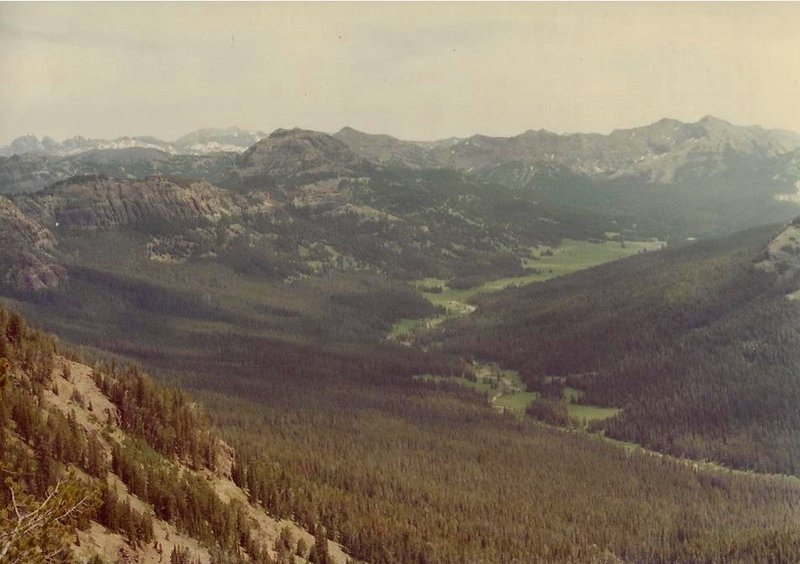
(290, 155)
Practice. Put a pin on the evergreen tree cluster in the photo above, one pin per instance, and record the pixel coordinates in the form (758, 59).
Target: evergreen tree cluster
(163, 417)
(40, 448)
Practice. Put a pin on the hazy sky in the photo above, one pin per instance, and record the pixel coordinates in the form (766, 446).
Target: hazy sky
(418, 71)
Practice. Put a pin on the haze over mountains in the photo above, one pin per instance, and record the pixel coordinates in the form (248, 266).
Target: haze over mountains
(387, 331)
(667, 152)
(367, 200)
(202, 141)
(591, 153)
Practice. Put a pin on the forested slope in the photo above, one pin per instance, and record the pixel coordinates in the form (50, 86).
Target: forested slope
(698, 344)
(104, 465)
(405, 473)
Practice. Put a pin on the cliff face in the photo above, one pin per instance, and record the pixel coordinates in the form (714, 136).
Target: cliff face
(98, 202)
(25, 251)
(191, 210)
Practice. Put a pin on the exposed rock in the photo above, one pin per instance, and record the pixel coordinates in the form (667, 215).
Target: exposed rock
(99, 202)
(26, 263)
(295, 156)
(782, 257)
(214, 139)
(322, 194)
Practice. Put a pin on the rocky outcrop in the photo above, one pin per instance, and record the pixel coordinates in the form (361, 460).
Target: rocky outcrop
(99, 202)
(181, 218)
(782, 257)
(26, 263)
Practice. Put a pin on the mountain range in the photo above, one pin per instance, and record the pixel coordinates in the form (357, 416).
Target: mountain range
(545, 348)
(708, 176)
(412, 209)
(200, 142)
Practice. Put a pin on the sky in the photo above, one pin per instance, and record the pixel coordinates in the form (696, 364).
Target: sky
(413, 70)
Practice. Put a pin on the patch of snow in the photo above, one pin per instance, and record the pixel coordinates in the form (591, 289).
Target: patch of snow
(216, 147)
(130, 143)
(791, 198)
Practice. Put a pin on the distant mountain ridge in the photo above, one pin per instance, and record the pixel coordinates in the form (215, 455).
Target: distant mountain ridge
(653, 152)
(200, 142)
(621, 151)
(667, 179)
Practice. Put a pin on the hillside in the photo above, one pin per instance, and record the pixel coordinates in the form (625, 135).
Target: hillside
(107, 466)
(696, 344)
(298, 379)
(31, 172)
(301, 207)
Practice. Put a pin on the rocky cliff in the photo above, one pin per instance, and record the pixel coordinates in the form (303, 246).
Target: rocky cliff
(25, 251)
(100, 202)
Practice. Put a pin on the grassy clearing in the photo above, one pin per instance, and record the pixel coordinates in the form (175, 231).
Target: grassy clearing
(404, 327)
(570, 256)
(543, 264)
(572, 395)
(584, 414)
(628, 447)
(516, 403)
(504, 387)
(590, 413)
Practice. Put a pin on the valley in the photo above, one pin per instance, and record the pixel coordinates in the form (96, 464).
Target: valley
(399, 283)
(395, 348)
(569, 256)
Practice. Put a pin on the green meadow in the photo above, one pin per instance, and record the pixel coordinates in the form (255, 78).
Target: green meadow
(543, 263)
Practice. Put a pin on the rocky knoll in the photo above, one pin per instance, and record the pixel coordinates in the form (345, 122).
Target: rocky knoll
(782, 257)
(25, 251)
(100, 202)
(295, 156)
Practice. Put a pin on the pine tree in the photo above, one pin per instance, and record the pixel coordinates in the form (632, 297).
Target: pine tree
(319, 554)
(15, 329)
